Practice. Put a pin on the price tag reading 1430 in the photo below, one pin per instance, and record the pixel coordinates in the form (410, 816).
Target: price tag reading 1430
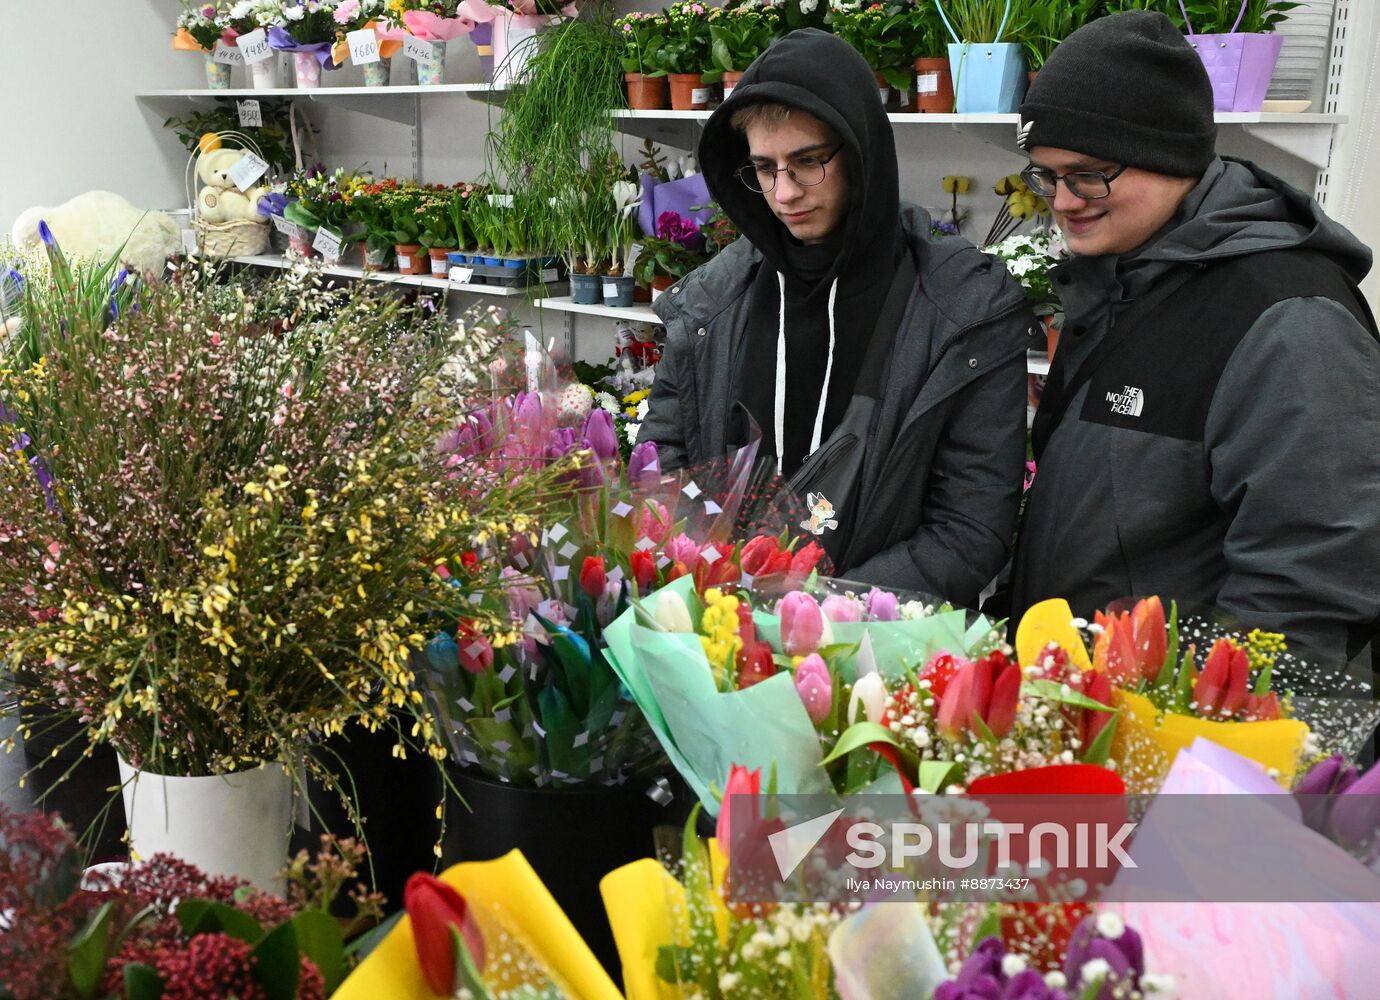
(418, 50)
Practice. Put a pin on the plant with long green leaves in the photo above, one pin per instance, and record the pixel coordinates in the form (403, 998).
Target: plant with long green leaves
(1218, 17)
(1046, 24)
(979, 21)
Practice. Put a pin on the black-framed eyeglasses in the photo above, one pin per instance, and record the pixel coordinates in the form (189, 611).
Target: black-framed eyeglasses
(807, 171)
(1090, 185)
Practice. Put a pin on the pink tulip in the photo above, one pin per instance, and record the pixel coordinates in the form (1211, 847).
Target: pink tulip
(839, 608)
(802, 623)
(682, 549)
(815, 687)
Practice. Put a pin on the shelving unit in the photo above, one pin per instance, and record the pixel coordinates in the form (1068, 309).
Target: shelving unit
(633, 314)
(394, 278)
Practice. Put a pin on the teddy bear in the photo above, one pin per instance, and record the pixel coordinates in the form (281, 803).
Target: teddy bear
(220, 200)
(97, 224)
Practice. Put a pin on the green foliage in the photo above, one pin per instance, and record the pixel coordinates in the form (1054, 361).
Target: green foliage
(274, 138)
(1209, 17)
(979, 20)
(688, 40)
(738, 35)
(643, 35)
(1047, 24)
(882, 34)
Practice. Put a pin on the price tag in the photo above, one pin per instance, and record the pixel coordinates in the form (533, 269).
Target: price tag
(247, 171)
(927, 83)
(364, 46)
(327, 244)
(404, 262)
(289, 229)
(634, 252)
(728, 92)
(417, 50)
(549, 274)
(462, 275)
(885, 92)
(251, 114)
(254, 46)
(610, 290)
(189, 241)
(227, 54)
(701, 95)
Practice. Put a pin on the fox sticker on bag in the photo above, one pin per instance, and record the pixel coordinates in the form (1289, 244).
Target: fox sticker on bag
(821, 514)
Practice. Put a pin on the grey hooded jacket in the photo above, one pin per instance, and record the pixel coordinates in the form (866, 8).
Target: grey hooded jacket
(940, 483)
(1274, 517)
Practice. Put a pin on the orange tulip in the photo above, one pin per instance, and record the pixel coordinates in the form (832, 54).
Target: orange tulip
(1222, 688)
(1133, 643)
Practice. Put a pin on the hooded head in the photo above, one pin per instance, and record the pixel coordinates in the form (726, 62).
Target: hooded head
(832, 97)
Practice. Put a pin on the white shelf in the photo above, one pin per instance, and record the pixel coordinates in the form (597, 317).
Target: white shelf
(913, 118)
(635, 314)
(394, 278)
(438, 90)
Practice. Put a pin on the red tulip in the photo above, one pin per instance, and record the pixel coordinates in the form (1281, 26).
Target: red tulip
(644, 571)
(1221, 689)
(1262, 708)
(740, 781)
(720, 571)
(940, 671)
(805, 560)
(434, 908)
(747, 628)
(1000, 714)
(764, 557)
(593, 579)
(1151, 639)
(676, 570)
(988, 690)
(1115, 650)
(1090, 721)
(476, 653)
(755, 664)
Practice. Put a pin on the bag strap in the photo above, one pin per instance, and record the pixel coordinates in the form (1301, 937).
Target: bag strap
(888, 325)
(1000, 29)
(1059, 392)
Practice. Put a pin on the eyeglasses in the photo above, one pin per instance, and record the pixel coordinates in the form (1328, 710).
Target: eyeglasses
(807, 171)
(1090, 185)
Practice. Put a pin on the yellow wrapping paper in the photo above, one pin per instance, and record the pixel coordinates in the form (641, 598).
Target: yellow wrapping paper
(340, 51)
(507, 885)
(1046, 622)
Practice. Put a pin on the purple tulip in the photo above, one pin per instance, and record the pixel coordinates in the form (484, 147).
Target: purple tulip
(644, 465)
(1124, 955)
(527, 415)
(882, 606)
(560, 441)
(523, 597)
(1326, 778)
(802, 623)
(815, 687)
(1356, 815)
(599, 435)
(982, 978)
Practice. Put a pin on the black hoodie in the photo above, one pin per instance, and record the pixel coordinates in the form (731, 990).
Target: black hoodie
(825, 77)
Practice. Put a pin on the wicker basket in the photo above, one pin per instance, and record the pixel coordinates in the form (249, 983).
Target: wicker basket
(241, 238)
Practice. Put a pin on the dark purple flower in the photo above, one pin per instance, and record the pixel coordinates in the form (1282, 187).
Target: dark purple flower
(46, 234)
(599, 435)
(1124, 955)
(1324, 779)
(676, 228)
(644, 465)
(559, 442)
(980, 977)
(1356, 815)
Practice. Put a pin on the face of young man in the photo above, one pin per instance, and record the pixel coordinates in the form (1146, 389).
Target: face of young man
(810, 212)
(1139, 205)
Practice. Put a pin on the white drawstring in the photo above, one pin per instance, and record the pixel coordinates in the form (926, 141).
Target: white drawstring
(780, 407)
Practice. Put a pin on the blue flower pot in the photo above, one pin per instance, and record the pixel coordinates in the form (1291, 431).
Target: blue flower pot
(584, 289)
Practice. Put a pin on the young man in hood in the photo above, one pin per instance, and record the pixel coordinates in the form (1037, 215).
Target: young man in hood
(884, 367)
(1209, 432)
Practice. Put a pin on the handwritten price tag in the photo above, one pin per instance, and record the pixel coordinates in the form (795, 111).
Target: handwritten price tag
(364, 46)
(247, 171)
(251, 115)
(227, 54)
(288, 229)
(327, 244)
(417, 50)
(254, 46)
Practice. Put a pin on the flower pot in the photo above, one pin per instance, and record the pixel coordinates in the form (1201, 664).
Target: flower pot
(378, 74)
(377, 259)
(934, 87)
(1030, 77)
(688, 92)
(730, 80)
(483, 38)
(264, 74)
(1239, 65)
(229, 824)
(440, 261)
(432, 72)
(410, 259)
(660, 283)
(300, 242)
(645, 93)
(642, 294)
(584, 289)
(217, 73)
(572, 838)
(989, 77)
(883, 88)
(1051, 336)
(618, 290)
(307, 69)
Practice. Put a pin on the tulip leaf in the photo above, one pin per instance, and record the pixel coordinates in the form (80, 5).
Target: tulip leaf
(1188, 676)
(320, 939)
(277, 963)
(202, 916)
(466, 975)
(1063, 694)
(1101, 747)
(675, 964)
(88, 952)
(860, 734)
(983, 730)
(141, 982)
(1171, 649)
(936, 775)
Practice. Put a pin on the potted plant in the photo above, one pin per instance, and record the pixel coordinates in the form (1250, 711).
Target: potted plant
(684, 56)
(738, 35)
(365, 15)
(934, 83)
(308, 31)
(246, 17)
(323, 202)
(881, 34)
(1048, 24)
(1238, 45)
(404, 216)
(989, 74)
(643, 35)
(199, 29)
(370, 210)
(673, 253)
(619, 282)
(438, 236)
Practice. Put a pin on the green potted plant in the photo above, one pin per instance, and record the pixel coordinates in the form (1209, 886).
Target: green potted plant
(684, 56)
(438, 236)
(619, 283)
(928, 43)
(673, 253)
(738, 35)
(643, 34)
(1048, 23)
(369, 210)
(403, 205)
(882, 35)
(989, 73)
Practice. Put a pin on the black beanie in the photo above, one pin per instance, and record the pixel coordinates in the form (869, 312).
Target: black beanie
(1126, 88)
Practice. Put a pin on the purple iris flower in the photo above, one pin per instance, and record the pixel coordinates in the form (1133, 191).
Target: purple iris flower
(46, 234)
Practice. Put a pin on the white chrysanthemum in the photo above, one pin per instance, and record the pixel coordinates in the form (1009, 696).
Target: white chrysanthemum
(606, 402)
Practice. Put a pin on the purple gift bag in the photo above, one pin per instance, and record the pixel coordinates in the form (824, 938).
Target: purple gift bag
(682, 196)
(1239, 64)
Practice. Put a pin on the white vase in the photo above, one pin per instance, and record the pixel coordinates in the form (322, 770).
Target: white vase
(1307, 34)
(264, 74)
(232, 824)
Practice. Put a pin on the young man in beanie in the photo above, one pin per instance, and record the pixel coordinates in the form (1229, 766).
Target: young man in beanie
(885, 368)
(1211, 425)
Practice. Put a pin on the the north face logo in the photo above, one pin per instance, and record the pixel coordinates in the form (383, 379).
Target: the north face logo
(1128, 402)
(1023, 133)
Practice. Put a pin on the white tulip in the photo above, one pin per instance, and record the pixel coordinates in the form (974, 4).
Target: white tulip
(671, 612)
(869, 691)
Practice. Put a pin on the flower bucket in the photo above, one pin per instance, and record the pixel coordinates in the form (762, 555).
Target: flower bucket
(618, 290)
(432, 72)
(689, 92)
(515, 41)
(645, 93)
(229, 824)
(934, 86)
(300, 242)
(377, 260)
(483, 38)
(264, 74)
(572, 838)
(411, 258)
(378, 74)
(217, 73)
(1239, 64)
(440, 261)
(584, 289)
(307, 69)
(730, 80)
(988, 77)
